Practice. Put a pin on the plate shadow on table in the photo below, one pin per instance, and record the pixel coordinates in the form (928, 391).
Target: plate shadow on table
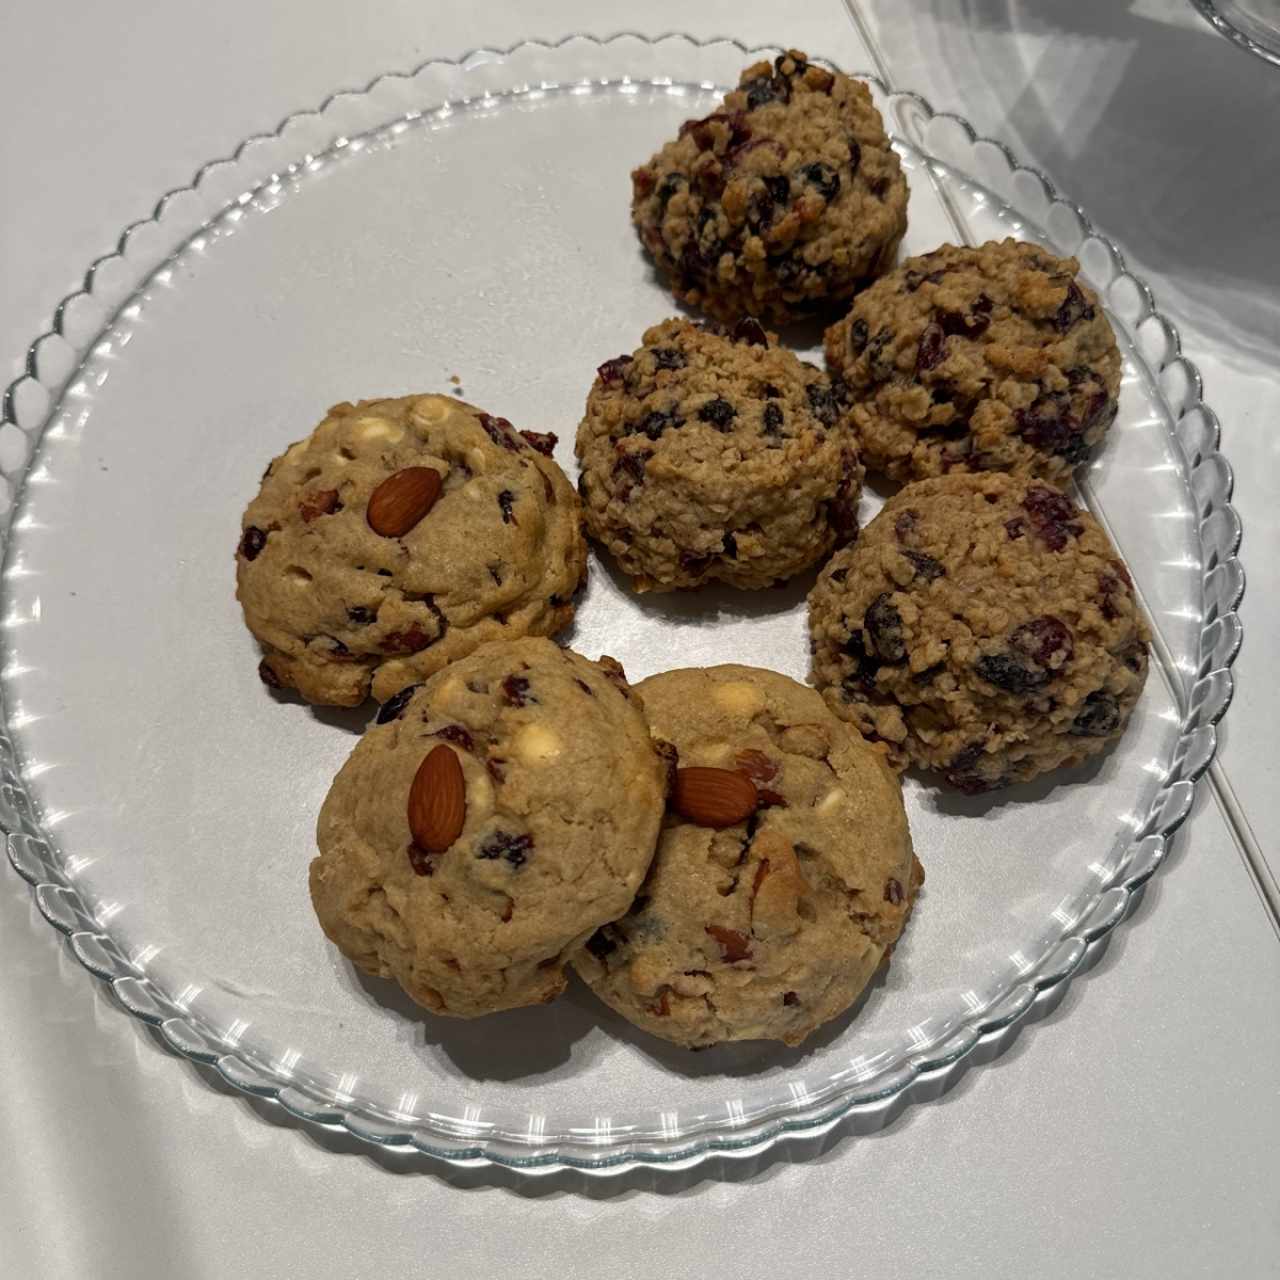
(942, 799)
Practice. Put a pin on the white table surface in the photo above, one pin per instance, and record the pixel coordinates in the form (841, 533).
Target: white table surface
(1134, 1132)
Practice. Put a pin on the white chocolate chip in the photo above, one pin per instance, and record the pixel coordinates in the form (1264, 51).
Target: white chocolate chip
(375, 433)
(738, 697)
(479, 794)
(832, 801)
(431, 409)
(536, 745)
(476, 460)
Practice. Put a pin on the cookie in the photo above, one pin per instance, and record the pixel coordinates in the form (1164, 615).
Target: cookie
(396, 538)
(987, 359)
(779, 204)
(469, 876)
(712, 457)
(983, 627)
(765, 920)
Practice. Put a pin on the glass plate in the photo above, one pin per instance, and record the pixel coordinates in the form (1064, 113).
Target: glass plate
(470, 219)
(1252, 24)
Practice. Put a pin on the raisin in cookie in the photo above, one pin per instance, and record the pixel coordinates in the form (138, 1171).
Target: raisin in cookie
(780, 203)
(982, 626)
(988, 359)
(706, 457)
(469, 876)
(763, 915)
(398, 536)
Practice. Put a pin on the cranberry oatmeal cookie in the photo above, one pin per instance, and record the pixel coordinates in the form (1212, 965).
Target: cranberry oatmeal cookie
(784, 872)
(987, 359)
(711, 457)
(983, 627)
(490, 821)
(396, 538)
(779, 204)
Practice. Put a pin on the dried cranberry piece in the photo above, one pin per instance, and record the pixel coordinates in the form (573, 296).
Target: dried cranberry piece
(1073, 308)
(500, 431)
(422, 862)
(858, 336)
(932, 349)
(764, 89)
(266, 673)
(642, 181)
(496, 768)
(1049, 425)
(926, 566)
(729, 547)
(893, 891)
(394, 706)
(1098, 718)
(771, 417)
(670, 185)
(669, 358)
(456, 734)
(719, 412)
(1042, 639)
(865, 665)
(320, 502)
(1052, 514)
(361, 616)
(612, 370)
(790, 998)
(1008, 673)
(734, 946)
(543, 441)
(515, 689)
(1015, 528)
(823, 402)
(506, 500)
(632, 466)
(749, 329)
(884, 625)
(822, 178)
(905, 525)
(252, 542)
(694, 562)
(973, 325)
(764, 204)
(656, 421)
(411, 640)
(843, 512)
(507, 845)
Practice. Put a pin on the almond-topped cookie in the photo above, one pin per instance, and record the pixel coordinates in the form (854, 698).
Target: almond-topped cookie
(784, 873)
(983, 626)
(397, 537)
(989, 359)
(781, 202)
(487, 824)
(713, 457)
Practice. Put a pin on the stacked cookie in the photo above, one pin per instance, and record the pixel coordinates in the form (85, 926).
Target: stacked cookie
(720, 853)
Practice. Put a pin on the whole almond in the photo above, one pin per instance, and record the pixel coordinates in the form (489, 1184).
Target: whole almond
(402, 499)
(437, 800)
(713, 797)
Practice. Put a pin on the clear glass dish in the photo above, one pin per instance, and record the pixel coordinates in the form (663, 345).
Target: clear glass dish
(470, 220)
(1252, 24)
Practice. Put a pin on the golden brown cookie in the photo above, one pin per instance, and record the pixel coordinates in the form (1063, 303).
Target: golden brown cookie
(397, 537)
(987, 359)
(779, 204)
(711, 457)
(982, 626)
(489, 823)
(764, 915)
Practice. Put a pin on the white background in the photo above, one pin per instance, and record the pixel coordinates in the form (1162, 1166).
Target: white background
(1134, 1132)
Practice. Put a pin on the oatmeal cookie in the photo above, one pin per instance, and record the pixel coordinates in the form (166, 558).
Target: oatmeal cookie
(397, 537)
(765, 920)
(711, 457)
(983, 627)
(987, 359)
(779, 204)
(490, 821)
